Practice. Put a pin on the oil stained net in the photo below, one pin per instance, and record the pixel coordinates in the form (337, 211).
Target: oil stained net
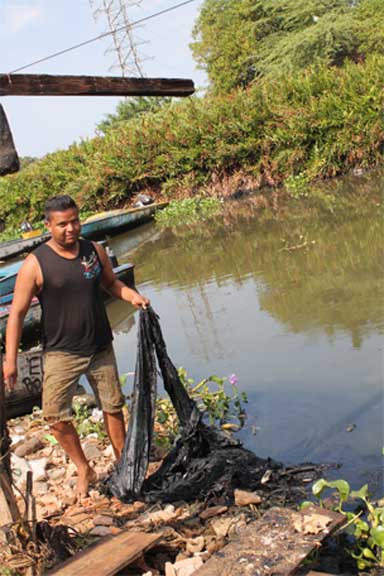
(204, 463)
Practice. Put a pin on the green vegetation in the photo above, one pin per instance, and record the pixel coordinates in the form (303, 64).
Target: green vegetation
(296, 93)
(365, 525)
(316, 124)
(238, 41)
(222, 407)
(87, 421)
(132, 108)
(218, 398)
(188, 211)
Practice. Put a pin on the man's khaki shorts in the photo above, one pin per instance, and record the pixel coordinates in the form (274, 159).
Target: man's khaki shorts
(62, 371)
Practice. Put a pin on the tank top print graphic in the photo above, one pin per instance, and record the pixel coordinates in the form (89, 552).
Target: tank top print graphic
(73, 312)
(92, 267)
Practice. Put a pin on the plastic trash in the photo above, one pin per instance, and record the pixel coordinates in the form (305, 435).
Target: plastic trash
(204, 463)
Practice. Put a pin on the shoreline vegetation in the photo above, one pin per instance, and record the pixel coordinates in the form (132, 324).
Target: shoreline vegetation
(277, 135)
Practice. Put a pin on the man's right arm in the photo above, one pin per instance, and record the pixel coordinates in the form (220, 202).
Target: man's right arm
(25, 290)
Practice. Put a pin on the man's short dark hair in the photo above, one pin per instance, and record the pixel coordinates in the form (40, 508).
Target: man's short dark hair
(59, 204)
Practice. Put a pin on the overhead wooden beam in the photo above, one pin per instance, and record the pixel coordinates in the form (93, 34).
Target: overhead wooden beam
(49, 85)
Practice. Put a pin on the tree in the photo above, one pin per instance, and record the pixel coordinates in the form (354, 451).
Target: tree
(237, 41)
(131, 107)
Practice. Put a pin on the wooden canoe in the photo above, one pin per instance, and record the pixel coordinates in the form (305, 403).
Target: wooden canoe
(93, 228)
(32, 319)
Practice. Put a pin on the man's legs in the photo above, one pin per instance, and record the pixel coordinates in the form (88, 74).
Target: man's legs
(67, 437)
(115, 427)
(103, 376)
(61, 375)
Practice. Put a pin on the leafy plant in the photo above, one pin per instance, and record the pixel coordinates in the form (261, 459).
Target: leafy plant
(297, 186)
(223, 408)
(187, 211)
(366, 525)
(87, 422)
(238, 41)
(320, 123)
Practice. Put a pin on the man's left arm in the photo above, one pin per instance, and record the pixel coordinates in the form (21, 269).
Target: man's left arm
(114, 286)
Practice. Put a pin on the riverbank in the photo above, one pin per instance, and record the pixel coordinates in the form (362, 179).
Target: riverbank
(188, 533)
(296, 129)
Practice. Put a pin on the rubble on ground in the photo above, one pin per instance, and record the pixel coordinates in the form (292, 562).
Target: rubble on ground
(190, 532)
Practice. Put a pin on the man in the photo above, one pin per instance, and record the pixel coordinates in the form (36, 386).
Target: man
(66, 274)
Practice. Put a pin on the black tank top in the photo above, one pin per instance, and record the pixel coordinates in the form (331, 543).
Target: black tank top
(73, 312)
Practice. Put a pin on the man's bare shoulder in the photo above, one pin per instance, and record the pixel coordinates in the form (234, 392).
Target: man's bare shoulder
(30, 268)
(100, 250)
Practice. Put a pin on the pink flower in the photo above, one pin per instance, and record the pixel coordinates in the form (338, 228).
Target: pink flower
(233, 379)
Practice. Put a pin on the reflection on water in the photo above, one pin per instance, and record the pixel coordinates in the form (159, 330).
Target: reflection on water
(295, 308)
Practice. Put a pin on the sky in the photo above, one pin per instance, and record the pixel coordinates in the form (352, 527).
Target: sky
(33, 29)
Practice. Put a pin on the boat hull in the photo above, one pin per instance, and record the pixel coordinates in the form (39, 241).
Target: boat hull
(96, 227)
(31, 329)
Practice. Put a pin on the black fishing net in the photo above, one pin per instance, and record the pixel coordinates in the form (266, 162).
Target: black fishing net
(205, 463)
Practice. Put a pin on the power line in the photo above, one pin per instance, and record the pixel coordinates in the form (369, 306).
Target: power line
(160, 13)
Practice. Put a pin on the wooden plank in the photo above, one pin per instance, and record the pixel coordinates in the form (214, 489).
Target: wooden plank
(315, 573)
(9, 511)
(109, 555)
(276, 544)
(50, 85)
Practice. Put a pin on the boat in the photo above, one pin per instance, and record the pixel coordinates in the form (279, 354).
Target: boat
(31, 328)
(8, 274)
(93, 227)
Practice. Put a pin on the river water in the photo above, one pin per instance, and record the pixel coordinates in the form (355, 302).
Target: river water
(293, 305)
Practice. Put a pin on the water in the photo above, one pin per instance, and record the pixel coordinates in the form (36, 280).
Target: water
(293, 306)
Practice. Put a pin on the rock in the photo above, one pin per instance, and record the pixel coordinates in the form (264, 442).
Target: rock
(16, 440)
(244, 498)
(238, 523)
(91, 450)
(169, 513)
(71, 470)
(40, 488)
(195, 545)
(69, 499)
(38, 468)
(101, 531)
(103, 520)
(29, 446)
(108, 452)
(215, 544)
(183, 567)
(51, 504)
(213, 511)
(20, 467)
(19, 430)
(221, 526)
(56, 473)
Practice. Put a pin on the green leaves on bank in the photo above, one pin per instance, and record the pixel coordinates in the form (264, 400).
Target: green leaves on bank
(366, 524)
(188, 211)
(316, 124)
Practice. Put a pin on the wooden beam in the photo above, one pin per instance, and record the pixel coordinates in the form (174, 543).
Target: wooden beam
(49, 85)
(9, 511)
(277, 543)
(9, 161)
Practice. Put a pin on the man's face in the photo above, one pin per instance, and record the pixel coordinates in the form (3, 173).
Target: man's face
(64, 227)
